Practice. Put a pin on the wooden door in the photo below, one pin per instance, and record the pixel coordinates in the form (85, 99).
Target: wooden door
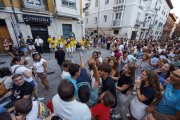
(4, 33)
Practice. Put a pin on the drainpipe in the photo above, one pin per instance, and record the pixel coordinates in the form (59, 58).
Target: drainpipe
(17, 21)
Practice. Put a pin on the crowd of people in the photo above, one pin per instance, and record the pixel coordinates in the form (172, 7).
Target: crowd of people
(141, 77)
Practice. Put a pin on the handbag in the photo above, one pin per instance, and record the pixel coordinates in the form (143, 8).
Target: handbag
(3, 90)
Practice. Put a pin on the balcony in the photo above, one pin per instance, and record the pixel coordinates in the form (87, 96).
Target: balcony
(115, 23)
(138, 23)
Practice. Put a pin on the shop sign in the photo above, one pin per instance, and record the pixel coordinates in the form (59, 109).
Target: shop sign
(36, 20)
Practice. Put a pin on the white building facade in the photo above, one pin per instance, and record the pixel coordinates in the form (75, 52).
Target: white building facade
(68, 18)
(132, 19)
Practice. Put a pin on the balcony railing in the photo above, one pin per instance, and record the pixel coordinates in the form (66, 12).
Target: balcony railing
(115, 23)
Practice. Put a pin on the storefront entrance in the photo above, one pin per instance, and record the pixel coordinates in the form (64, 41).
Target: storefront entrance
(67, 29)
(4, 33)
(38, 26)
(42, 32)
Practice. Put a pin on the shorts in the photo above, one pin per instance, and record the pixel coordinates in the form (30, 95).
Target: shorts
(68, 49)
(31, 47)
(61, 46)
(33, 83)
(50, 46)
(82, 47)
(73, 48)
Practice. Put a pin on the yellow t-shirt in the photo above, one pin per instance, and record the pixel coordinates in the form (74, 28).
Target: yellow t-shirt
(73, 42)
(54, 43)
(49, 40)
(87, 42)
(67, 44)
(61, 41)
(82, 42)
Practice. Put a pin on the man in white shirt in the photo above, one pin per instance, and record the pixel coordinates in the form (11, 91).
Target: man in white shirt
(39, 44)
(66, 106)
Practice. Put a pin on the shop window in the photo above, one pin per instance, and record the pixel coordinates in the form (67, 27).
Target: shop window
(116, 32)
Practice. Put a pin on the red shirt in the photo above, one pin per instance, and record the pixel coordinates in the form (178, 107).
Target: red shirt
(101, 112)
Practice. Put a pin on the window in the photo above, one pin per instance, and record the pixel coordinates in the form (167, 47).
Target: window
(118, 11)
(106, 2)
(96, 3)
(95, 20)
(86, 20)
(69, 3)
(105, 18)
(116, 32)
(117, 2)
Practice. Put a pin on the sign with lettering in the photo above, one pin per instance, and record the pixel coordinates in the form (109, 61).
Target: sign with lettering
(36, 20)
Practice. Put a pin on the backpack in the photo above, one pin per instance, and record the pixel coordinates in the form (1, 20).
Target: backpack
(5, 72)
(43, 111)
(3, 89)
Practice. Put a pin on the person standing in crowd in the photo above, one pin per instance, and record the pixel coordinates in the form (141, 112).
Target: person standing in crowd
(68, 47)
(54, 44)
(39, 44)
(107, 80)
(122, 61)
(23, 46)
(164, 72)
(82, 42)
(169, 106)
(114, 72)
(40, 68)
(73, 45)
(60, 57)
(101, 111)
(30, 43)
(74, 70)
(61, 42)
(66, 106)
(142, 64)
(125, 86)
(49, 40)
(17, 67)
(108, 44)
(147, 89)
(8, 47)
(66, 64)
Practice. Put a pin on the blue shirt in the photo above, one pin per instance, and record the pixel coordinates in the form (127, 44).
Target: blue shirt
(170, 102)
(74, 83)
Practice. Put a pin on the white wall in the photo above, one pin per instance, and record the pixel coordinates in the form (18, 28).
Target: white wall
(67, 11)
(104, 9)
